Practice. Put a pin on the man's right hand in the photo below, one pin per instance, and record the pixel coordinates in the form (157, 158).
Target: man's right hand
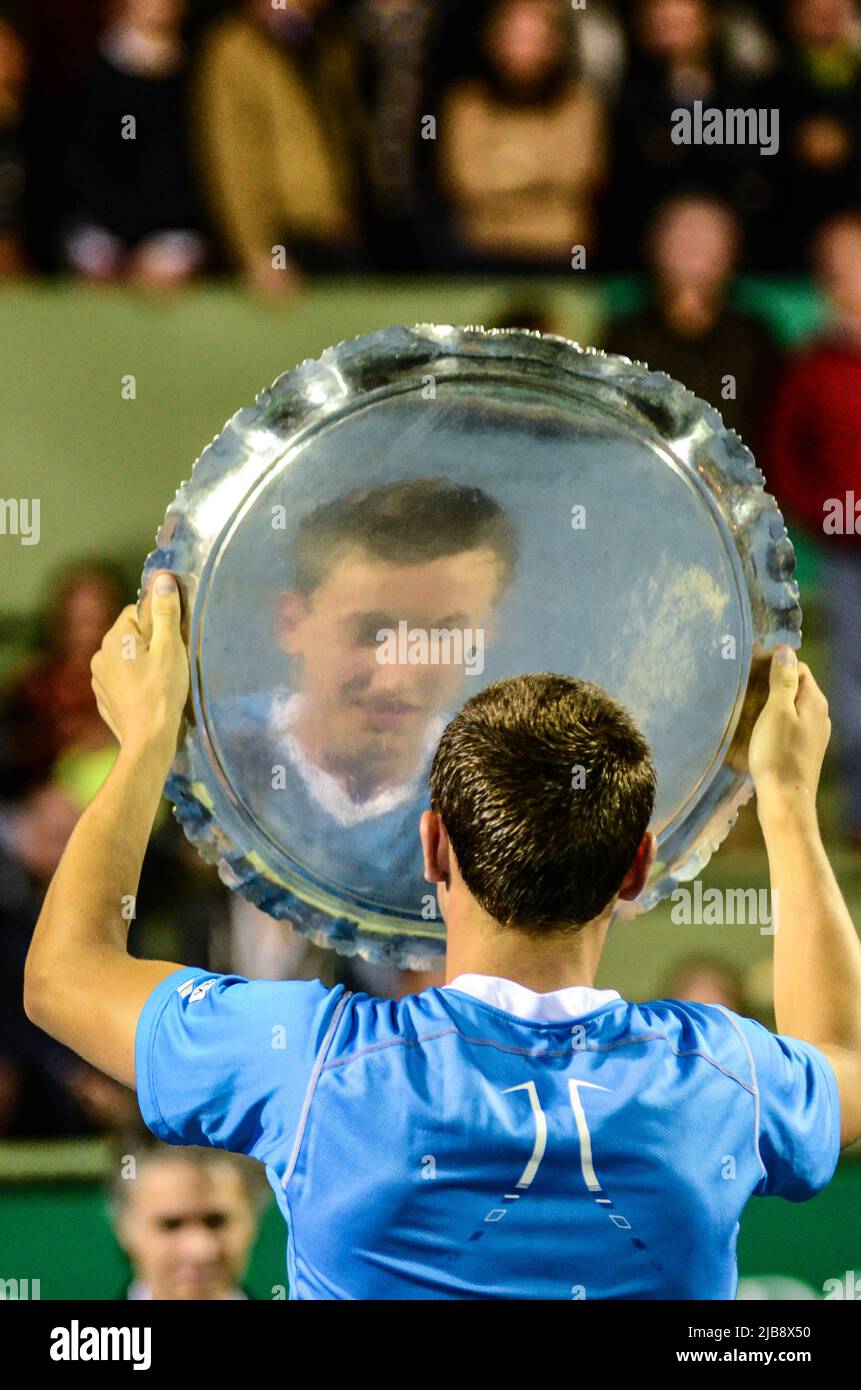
(789, 739)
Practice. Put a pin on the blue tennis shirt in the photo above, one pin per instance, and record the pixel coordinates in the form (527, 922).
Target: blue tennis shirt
(483, 1141)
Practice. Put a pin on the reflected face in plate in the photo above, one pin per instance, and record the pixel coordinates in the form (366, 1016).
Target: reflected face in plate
(382, 649)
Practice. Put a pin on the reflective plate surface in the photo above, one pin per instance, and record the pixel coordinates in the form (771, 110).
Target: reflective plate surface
(421, 512)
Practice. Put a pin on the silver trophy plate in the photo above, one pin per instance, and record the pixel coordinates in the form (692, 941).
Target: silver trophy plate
(414, 515)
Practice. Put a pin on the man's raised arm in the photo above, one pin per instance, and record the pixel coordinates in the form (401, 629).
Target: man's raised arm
(80, 983)
(817, 953)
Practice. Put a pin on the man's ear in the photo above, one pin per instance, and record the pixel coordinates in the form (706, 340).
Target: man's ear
(637, 876)
(292, 609)
(435, 847)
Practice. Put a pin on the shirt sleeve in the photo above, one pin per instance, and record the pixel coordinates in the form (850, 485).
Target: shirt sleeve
(232, 1063)
(798, 1112)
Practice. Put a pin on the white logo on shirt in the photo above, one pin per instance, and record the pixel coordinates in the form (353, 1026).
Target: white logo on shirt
(194, 993)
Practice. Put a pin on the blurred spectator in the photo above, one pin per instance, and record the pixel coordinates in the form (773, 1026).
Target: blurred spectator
(813, 465)
(281, 134)
(187, 1221)
(45, 1090)
(600, 46)
(50, 705)
(61, 38)
(398, 45)
(682, 51)
(265, 948)
(385, 981)
(689, 329)
(134, 215)
(536, 315)
(818, 93)
(13, 65)
(523, 147)
(707, 979)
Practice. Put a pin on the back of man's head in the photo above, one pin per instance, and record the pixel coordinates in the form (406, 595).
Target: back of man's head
(546, 787)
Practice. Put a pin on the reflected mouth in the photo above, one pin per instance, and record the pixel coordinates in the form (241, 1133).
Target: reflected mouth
(387, 714)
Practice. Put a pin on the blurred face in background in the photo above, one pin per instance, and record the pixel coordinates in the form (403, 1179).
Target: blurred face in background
(163, 17)
(525, 41)
(13, 71)
(694, 246)
(48, 818)
(821, 23)
(86, 609)
(707, 984)
(283, 17)
(838, 265)
(676, 30)
(187, 1228)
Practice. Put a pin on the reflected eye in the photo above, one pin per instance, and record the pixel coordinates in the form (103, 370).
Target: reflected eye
(364, 629)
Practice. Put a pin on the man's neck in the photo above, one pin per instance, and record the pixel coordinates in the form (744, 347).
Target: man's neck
(477, 946)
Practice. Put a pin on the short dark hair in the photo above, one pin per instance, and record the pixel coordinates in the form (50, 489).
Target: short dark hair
(540, 846)
(147, 1153)
(410, 522)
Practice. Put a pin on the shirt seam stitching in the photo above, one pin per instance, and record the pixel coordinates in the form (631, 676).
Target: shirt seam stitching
(530, 1052)
(150, 1048)
(319, 1062)
(756, 1112)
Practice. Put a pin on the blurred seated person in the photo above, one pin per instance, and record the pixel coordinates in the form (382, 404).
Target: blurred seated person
(45, 1090)
(533, 314)
(399, 44)
(680, 53)
(818, 92)
(13, 68)
(689, 328)
(523, 145)
(49, 706)
(187, 1221)
(280, 133)
(133, 213)
(707, 979)
(813, 465)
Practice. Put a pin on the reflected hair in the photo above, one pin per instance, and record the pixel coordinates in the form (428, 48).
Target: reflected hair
(546, 787)
(408, 522)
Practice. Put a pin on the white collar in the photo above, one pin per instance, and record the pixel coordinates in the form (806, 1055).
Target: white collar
(556, 1007)
(325, 789)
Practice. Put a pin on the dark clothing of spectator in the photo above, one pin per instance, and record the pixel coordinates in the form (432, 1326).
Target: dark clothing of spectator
(12, 184)
(737, 345)
(817, 171)
(649, 166)
(45, 710)
(397, 47)
(133, 187)
(60, 37)
(45, 1106)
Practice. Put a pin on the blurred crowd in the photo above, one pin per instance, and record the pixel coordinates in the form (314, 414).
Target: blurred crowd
(157, 140)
